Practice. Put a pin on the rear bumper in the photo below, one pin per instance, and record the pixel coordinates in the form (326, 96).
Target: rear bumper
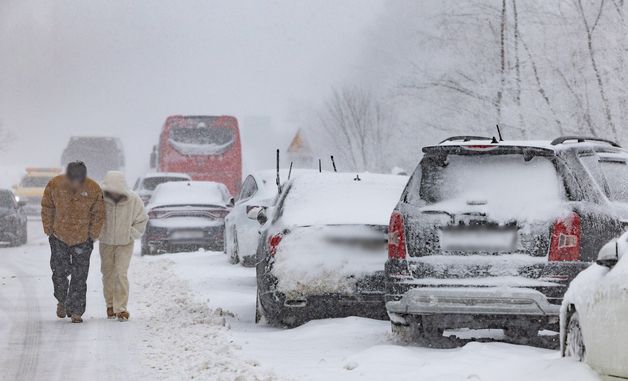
(473, 301)
(293, 311)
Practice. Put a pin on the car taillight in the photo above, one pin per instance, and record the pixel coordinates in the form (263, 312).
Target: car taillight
(396, 237)
(273, 243)
(565, 239)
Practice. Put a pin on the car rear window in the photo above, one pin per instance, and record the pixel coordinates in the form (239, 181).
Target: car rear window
(489, 179)
(151, 183)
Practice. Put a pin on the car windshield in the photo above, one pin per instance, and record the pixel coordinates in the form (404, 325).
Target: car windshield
(201, 136)
(35, 181)
(150, 183)
(7, 200)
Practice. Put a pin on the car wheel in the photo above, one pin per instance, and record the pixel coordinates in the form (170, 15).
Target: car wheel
(574, 341)
(235, 258)
(259, 314)
(25, 236)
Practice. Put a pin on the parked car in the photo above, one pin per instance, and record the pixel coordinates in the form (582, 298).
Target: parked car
(489, 234)
(13, 219)
(31, 188)
(186, 216)
(145, 185)
(594, 324)
(241, 233)
(323, 248)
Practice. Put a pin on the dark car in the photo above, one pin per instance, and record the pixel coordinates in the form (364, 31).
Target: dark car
(186, 216)
(322, 253)
(489, 234)
(13, 219)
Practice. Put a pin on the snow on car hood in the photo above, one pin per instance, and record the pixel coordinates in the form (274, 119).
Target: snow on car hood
(310, 261)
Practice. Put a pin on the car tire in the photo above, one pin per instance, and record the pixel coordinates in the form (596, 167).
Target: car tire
(24, 236)
(574, 341)
(259, 313)
(234, 258)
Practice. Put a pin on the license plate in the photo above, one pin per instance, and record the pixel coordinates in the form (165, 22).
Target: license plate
(193, 234)
(478, 240)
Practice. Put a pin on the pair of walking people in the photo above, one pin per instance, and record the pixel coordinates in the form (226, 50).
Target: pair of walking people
(75, 213)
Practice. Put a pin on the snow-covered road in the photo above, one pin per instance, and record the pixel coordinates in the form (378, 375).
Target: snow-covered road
(192, 318)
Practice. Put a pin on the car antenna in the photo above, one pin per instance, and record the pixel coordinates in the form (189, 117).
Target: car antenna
(499, 133)
(320, 168)
(290, 170)
(333, 163)
(278, 180)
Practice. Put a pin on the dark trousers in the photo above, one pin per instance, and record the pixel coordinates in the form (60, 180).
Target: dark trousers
(70, 261)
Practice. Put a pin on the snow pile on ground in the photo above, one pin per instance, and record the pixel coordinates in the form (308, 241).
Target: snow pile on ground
(184, 339)
(308, 261)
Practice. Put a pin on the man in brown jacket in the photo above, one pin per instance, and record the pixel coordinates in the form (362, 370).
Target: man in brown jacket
(72, 212)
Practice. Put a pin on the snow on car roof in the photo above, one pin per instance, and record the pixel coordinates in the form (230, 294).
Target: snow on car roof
(190, 193)
(340, 199)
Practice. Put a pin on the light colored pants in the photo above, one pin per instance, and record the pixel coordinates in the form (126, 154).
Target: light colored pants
(114, 265)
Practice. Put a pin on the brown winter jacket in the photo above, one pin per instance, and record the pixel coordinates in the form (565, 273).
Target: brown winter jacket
(72, 216)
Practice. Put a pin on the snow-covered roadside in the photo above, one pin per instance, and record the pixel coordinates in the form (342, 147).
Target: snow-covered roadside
(354, 348)
(183, 339)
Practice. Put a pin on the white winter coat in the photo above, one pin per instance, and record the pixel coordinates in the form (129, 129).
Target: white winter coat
(126, 219)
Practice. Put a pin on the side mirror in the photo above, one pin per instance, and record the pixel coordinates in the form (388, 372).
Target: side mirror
(258, 213)
(231, 201)
(21, 204)
(609, 254)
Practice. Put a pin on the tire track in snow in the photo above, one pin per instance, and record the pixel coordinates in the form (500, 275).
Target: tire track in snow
(30, 323)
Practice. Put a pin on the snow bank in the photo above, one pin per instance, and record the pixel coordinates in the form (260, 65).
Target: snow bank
(184, 339)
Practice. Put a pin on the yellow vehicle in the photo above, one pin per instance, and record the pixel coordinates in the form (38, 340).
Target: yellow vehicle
(31, 187)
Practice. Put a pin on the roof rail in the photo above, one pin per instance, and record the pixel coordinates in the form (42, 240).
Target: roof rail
(582, 139)
(465, 138)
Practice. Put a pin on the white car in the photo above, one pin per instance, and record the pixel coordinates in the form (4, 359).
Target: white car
(145, 185)
(259, 189)
(186, 216)
(594, 314)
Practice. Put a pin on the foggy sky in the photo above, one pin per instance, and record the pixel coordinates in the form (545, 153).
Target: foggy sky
(98, 67)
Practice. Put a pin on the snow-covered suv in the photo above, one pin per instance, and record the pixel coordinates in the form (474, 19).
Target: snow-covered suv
(489, 234)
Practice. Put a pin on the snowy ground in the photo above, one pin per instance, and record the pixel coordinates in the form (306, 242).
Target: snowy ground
(192, 318)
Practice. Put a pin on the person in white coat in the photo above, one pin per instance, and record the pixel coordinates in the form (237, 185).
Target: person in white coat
(125, 222)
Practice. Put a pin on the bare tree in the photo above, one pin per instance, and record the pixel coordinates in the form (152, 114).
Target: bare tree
(357, 129)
